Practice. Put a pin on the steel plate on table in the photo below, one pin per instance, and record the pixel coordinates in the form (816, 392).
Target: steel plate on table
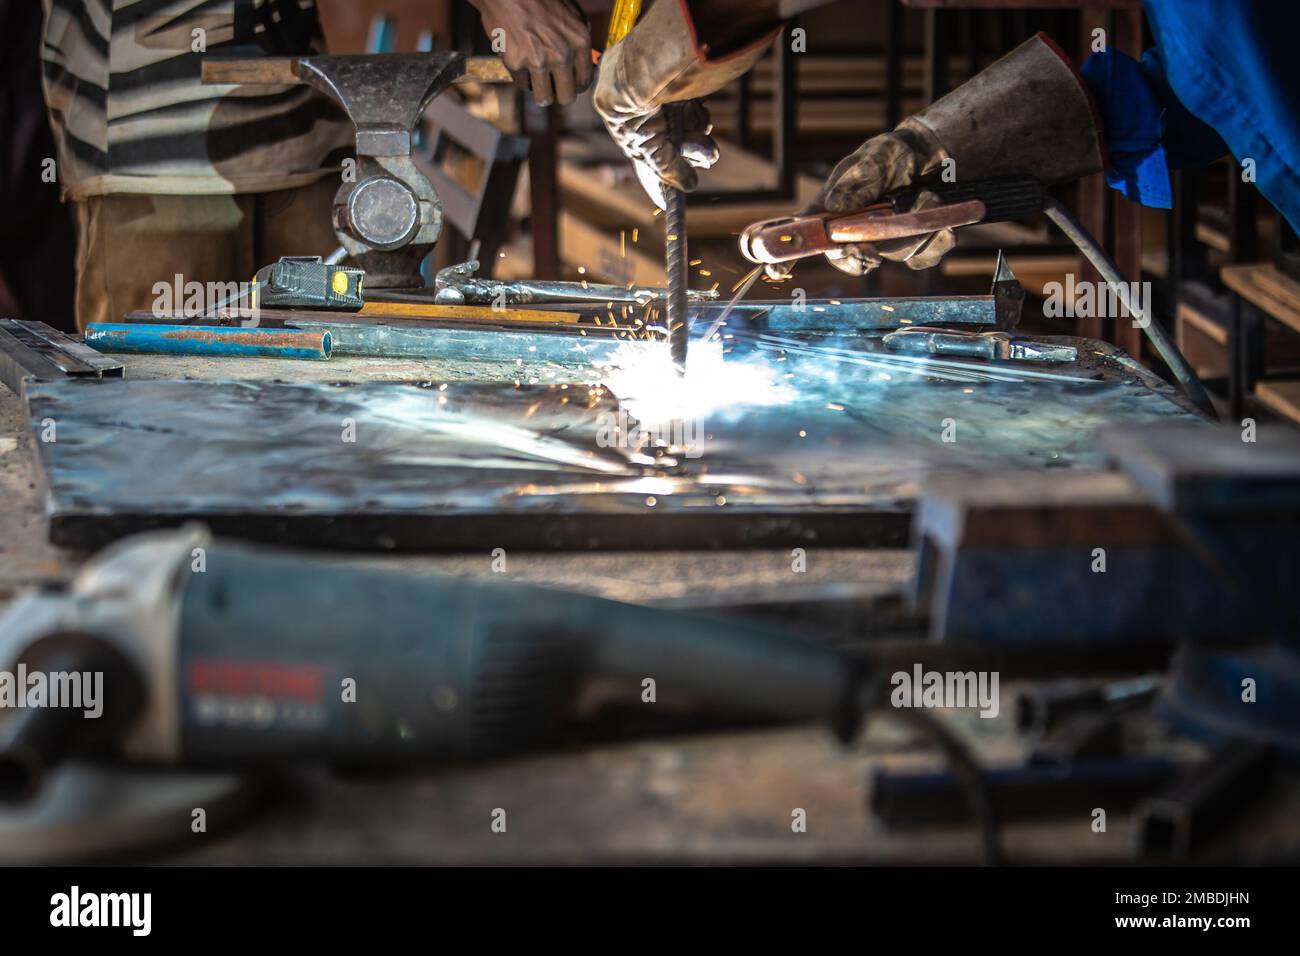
(788, 448)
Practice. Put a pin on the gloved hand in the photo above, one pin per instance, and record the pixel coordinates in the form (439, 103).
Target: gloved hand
(646, 136)
(1029, 114)
(547, 45)
(658, 63)
(879, 166)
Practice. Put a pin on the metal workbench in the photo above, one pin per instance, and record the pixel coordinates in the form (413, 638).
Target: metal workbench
(722, 797)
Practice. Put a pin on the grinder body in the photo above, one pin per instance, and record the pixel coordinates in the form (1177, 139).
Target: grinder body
(252, 656)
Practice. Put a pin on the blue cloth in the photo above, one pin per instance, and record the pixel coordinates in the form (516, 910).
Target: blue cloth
(1223, 76)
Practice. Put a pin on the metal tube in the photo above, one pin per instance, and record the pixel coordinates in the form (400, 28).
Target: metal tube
(1167, 350)
(209, 340)
(1203, 801)
(1022, 792)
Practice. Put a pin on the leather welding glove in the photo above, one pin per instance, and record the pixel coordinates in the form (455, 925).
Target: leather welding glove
(660, 62)
(545, 44)
(1029, 113)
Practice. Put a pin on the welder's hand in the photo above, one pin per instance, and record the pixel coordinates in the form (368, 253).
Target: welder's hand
(879, 166)
(657, 68)
(647, 138)
(545, 44)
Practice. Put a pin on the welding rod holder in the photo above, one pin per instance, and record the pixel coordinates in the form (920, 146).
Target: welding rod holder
(998, 199)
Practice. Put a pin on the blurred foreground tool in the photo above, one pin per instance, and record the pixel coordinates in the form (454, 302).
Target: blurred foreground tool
(457, 284)
(219, 340)
(1204, 801)
(308, 282)
(910, 799)
(1195, 532)
(239, 659)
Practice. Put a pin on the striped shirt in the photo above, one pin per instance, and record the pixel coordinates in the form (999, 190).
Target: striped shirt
(130, 114)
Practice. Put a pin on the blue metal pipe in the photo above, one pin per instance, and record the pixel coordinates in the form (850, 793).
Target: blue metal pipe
(143, 337)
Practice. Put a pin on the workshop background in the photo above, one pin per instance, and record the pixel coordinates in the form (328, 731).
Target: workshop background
(1118, 689)
(867, 65)
(1222, 263)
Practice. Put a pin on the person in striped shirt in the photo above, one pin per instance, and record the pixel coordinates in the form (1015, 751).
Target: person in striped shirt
(170, 177)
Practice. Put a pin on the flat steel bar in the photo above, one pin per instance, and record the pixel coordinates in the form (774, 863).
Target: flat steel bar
(73, 357)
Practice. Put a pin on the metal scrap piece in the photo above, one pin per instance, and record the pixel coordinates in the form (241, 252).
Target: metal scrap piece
(34, 350)
(457, 284)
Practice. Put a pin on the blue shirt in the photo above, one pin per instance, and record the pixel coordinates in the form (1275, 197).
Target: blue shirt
(1224, 76)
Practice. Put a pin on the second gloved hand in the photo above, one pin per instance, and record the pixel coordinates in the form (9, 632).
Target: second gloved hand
(1027, 114)
(878, 167)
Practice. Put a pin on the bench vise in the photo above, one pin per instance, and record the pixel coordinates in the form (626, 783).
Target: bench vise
(387, 215)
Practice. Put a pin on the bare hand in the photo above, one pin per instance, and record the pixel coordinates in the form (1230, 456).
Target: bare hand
(545, 44)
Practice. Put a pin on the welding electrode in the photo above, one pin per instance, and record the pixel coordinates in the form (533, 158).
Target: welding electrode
(675, 254)
(258, 656)
(622, 18)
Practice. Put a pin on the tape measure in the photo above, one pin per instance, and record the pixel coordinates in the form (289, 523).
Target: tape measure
(308, 282)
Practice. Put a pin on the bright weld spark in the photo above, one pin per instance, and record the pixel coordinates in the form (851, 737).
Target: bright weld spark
(743, 279)
(647, 383)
